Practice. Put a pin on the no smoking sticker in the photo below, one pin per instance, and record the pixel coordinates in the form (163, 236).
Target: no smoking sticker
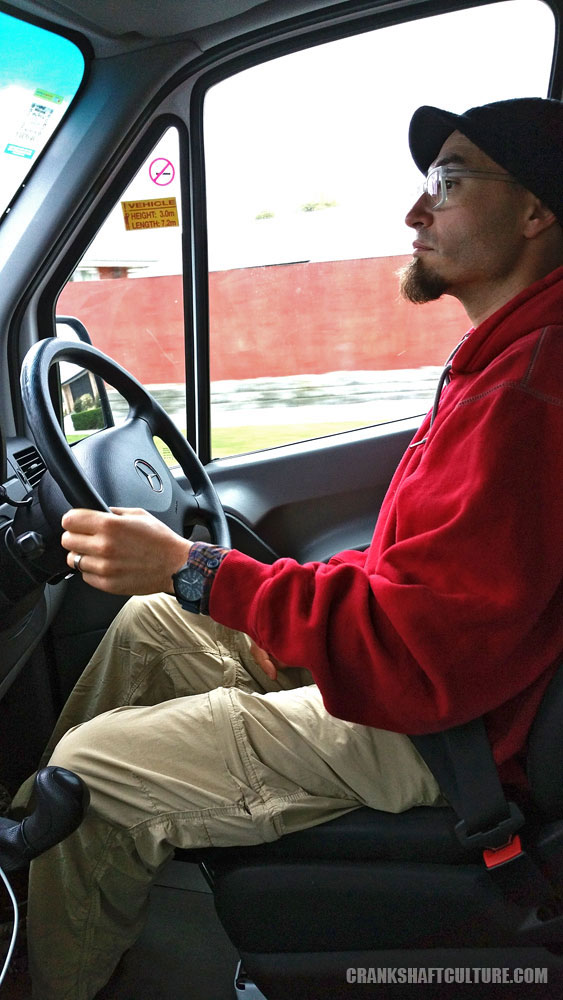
(161, 171)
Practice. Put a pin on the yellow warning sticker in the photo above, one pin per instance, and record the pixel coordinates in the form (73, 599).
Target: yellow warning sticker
(150, 213)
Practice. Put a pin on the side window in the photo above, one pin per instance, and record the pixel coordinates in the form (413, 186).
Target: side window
(309, 178)
(127, 293)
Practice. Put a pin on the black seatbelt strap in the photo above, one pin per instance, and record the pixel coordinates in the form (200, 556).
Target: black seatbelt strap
(462, 762)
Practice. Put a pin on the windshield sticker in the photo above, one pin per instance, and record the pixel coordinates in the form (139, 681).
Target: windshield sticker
(19, 151)
(45, 95)
(35, 122)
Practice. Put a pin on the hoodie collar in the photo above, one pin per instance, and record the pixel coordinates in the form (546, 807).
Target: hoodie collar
(541, 304)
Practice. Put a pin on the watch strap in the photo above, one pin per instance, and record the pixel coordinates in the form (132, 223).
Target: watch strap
(205, 559)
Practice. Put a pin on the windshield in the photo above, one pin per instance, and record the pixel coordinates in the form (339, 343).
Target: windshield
(40, 73)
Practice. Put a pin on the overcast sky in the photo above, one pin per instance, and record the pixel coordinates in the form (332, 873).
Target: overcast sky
(330, 124)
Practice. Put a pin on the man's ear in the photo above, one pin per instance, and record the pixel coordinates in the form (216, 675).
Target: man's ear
(539, 218)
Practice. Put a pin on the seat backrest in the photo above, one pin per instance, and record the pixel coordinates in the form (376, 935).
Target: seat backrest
(545, 751)
(462, 761)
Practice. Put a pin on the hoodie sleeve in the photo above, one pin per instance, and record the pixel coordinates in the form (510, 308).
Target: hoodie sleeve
(461, 610)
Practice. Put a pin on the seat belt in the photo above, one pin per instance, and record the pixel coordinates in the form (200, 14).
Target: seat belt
(462, 762)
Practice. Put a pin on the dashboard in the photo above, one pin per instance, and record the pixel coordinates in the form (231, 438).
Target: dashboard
(27, 602)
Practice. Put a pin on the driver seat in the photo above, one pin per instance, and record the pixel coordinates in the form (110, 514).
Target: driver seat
(369, 891)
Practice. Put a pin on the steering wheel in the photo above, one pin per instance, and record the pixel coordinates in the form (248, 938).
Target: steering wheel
(119, 466)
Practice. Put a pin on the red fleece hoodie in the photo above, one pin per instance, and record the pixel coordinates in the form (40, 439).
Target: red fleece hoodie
(456, 609)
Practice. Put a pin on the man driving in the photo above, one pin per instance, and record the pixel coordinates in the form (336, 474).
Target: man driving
(235, 701)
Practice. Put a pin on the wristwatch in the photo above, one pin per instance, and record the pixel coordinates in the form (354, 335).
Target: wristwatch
(193, 580)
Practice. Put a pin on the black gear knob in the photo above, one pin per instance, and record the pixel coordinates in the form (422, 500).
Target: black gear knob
(61, 800)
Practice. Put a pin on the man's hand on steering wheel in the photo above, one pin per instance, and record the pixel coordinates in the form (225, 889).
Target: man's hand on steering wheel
(127, 551)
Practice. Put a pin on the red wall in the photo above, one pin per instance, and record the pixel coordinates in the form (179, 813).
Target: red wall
(268, 321)
(137, 321)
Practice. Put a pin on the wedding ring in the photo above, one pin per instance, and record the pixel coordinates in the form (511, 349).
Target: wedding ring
(77, 563)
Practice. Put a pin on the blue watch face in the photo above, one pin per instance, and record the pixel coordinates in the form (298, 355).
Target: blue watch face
(188, 583)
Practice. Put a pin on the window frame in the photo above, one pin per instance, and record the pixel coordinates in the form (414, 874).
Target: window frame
(132, 163)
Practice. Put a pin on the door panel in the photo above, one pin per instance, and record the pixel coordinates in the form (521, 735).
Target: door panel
(314, 499)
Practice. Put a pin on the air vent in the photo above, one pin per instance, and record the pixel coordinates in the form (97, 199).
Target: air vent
(30, 465)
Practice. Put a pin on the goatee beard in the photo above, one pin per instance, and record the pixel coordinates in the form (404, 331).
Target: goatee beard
(419, 286)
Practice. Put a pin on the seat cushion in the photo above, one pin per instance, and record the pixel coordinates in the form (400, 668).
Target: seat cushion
(421, 834)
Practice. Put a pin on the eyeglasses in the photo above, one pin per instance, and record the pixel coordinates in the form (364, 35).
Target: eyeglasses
(442, 180)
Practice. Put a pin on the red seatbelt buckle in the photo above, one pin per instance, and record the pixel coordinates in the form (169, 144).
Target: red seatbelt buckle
(494, 856)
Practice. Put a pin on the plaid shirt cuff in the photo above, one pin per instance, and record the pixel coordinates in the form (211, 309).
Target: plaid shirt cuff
(199, 556)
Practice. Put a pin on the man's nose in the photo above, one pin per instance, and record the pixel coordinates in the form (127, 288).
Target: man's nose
(420, 214)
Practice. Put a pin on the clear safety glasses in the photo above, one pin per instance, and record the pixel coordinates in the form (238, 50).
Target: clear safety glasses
(441, 182)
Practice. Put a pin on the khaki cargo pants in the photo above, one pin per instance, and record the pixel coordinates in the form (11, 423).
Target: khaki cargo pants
(183, 741)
